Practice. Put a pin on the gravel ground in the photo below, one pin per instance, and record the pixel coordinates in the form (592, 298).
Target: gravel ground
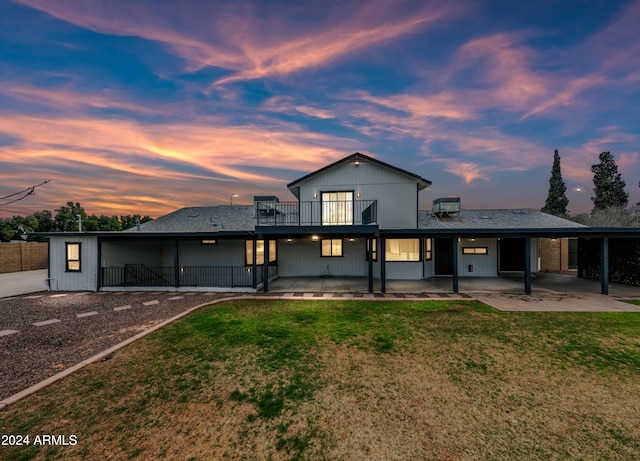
(38, 352)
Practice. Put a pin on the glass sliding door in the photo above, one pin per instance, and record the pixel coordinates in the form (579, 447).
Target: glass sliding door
(337, 208)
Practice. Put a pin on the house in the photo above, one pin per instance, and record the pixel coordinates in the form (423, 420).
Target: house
(357, 217)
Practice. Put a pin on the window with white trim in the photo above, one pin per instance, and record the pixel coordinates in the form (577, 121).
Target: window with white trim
(337, 208)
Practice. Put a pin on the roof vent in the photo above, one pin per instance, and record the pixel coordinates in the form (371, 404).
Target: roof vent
(446, 206)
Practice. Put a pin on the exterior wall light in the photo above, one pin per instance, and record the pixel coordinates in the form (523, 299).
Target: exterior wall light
(314, 238)
(315, 195)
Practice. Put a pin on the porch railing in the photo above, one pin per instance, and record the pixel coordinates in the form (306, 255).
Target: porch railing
(317, 213)
(204, 276)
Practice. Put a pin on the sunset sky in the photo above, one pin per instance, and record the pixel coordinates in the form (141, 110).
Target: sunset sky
(146, 106)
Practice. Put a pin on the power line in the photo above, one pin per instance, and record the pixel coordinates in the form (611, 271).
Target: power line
(25, 193)
(15, 211)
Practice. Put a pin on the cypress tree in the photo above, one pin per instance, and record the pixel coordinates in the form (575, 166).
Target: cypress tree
(557, 201)
(609, 186)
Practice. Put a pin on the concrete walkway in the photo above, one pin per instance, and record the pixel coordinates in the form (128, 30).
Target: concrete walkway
(554, 302)
(551, 292)
(20, 283)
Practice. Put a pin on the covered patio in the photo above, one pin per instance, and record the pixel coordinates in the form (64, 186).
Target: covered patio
(541, 283)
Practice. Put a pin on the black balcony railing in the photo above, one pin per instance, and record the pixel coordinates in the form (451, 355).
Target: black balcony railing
(317, 213)
(203, 276)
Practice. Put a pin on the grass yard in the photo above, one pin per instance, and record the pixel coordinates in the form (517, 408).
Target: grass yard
(352, 380)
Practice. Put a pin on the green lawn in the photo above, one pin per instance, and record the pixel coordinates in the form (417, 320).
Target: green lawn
(352, 380)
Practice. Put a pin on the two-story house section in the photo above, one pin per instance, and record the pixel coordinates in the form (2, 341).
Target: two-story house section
(337, 218)
(358, 189)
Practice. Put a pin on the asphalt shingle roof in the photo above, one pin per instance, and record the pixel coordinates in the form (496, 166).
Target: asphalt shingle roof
(241, 218)
(519, 218)
(203, 219)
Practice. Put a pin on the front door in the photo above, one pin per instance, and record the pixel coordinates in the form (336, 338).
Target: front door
(443, 249)
(512, 255)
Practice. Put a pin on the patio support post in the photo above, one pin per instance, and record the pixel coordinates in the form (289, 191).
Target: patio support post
(176, 265)
(383, 265)
(527, 265)
(604, 266)
(254, 268)
(455, 264)
(265, 274)
(370, 254)
(99, 281)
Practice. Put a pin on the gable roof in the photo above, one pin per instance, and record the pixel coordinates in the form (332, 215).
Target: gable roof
(422, 183)
(222, 218)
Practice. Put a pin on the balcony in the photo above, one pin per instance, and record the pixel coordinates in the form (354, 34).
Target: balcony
(317, 213)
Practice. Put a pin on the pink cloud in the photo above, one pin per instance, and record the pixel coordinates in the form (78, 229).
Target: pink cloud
(505, 66)
(446, 105)
(236, 37)
(105, 161)
(469, 171)
(67, 98)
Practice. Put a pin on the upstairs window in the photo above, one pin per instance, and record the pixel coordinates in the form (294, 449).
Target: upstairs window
(337, 208)
(73, 257)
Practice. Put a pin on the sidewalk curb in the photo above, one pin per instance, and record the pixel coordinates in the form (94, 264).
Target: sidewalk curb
(4, 404)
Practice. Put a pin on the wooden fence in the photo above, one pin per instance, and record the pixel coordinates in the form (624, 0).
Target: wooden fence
(23, 256)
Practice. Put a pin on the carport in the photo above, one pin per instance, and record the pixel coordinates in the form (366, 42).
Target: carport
(602, 235)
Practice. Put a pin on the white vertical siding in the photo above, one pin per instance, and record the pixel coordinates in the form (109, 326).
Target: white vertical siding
(483, 265)
(301, 257)
(535, 255)
(428, 268)
(224, 253)
(119, 253)
(403, 270)
(87, 277)
(396, 193)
